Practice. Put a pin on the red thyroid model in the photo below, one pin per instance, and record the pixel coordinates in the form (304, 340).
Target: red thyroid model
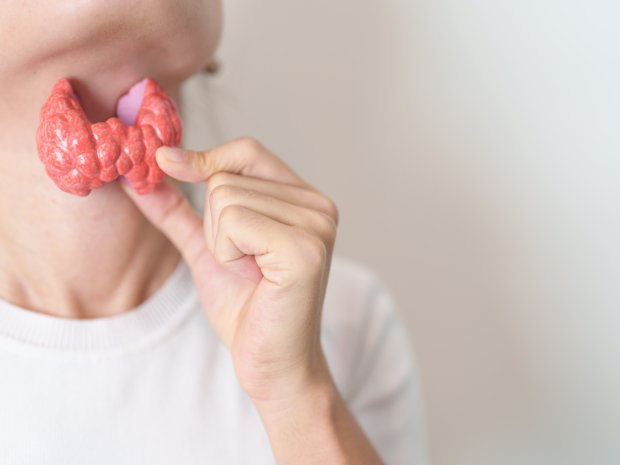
(80, 156)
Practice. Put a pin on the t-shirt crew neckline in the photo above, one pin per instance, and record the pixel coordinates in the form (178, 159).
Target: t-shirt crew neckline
(145, 324)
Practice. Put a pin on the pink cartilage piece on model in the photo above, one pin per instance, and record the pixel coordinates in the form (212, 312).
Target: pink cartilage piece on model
(80, 156)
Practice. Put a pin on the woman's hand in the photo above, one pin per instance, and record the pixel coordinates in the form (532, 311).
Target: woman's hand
(260, 260)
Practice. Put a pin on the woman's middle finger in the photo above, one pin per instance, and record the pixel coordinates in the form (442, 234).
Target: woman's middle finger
(295, 195)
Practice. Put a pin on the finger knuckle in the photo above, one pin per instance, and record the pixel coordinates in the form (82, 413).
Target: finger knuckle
(204, 162)
(215, 181)
(328, 206)
(221, 195)
(249, 145)
(312, 249)
(218, 179)
(324, 204)
(230, 215)
(252, 151)
(315, 253)
(326, 227)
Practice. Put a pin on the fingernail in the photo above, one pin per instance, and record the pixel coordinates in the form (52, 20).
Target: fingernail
(174, 155)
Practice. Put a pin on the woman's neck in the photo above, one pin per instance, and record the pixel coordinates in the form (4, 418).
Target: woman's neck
(69, 256)
(91, 256)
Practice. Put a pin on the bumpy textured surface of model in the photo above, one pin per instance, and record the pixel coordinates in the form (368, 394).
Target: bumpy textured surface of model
(80, 156)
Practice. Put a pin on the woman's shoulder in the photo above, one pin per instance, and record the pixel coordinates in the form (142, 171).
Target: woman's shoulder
(345, 271)
(371, 360)
(352, 293)
(358, 313)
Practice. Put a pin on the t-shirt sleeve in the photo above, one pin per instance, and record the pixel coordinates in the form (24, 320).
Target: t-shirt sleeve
(372, 363)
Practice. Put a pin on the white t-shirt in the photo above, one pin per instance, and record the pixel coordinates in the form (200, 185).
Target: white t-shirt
(155, 385)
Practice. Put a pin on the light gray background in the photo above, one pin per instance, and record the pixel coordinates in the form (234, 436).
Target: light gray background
(473, 148)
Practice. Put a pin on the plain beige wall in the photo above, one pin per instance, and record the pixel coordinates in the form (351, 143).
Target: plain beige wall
(473, 148)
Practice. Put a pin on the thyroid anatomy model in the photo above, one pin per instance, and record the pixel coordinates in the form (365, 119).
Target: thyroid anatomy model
(81, 156)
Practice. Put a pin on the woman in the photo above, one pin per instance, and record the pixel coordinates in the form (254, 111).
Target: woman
(105, 352)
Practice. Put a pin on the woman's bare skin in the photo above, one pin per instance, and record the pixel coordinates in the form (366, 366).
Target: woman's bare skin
(95, 256)
(260, 259)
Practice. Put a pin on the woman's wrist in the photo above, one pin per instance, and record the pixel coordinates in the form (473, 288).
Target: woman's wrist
(315, 426)
(294, 392)
(301, 428)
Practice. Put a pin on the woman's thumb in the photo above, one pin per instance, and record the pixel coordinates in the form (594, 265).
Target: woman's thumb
(169, 210)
